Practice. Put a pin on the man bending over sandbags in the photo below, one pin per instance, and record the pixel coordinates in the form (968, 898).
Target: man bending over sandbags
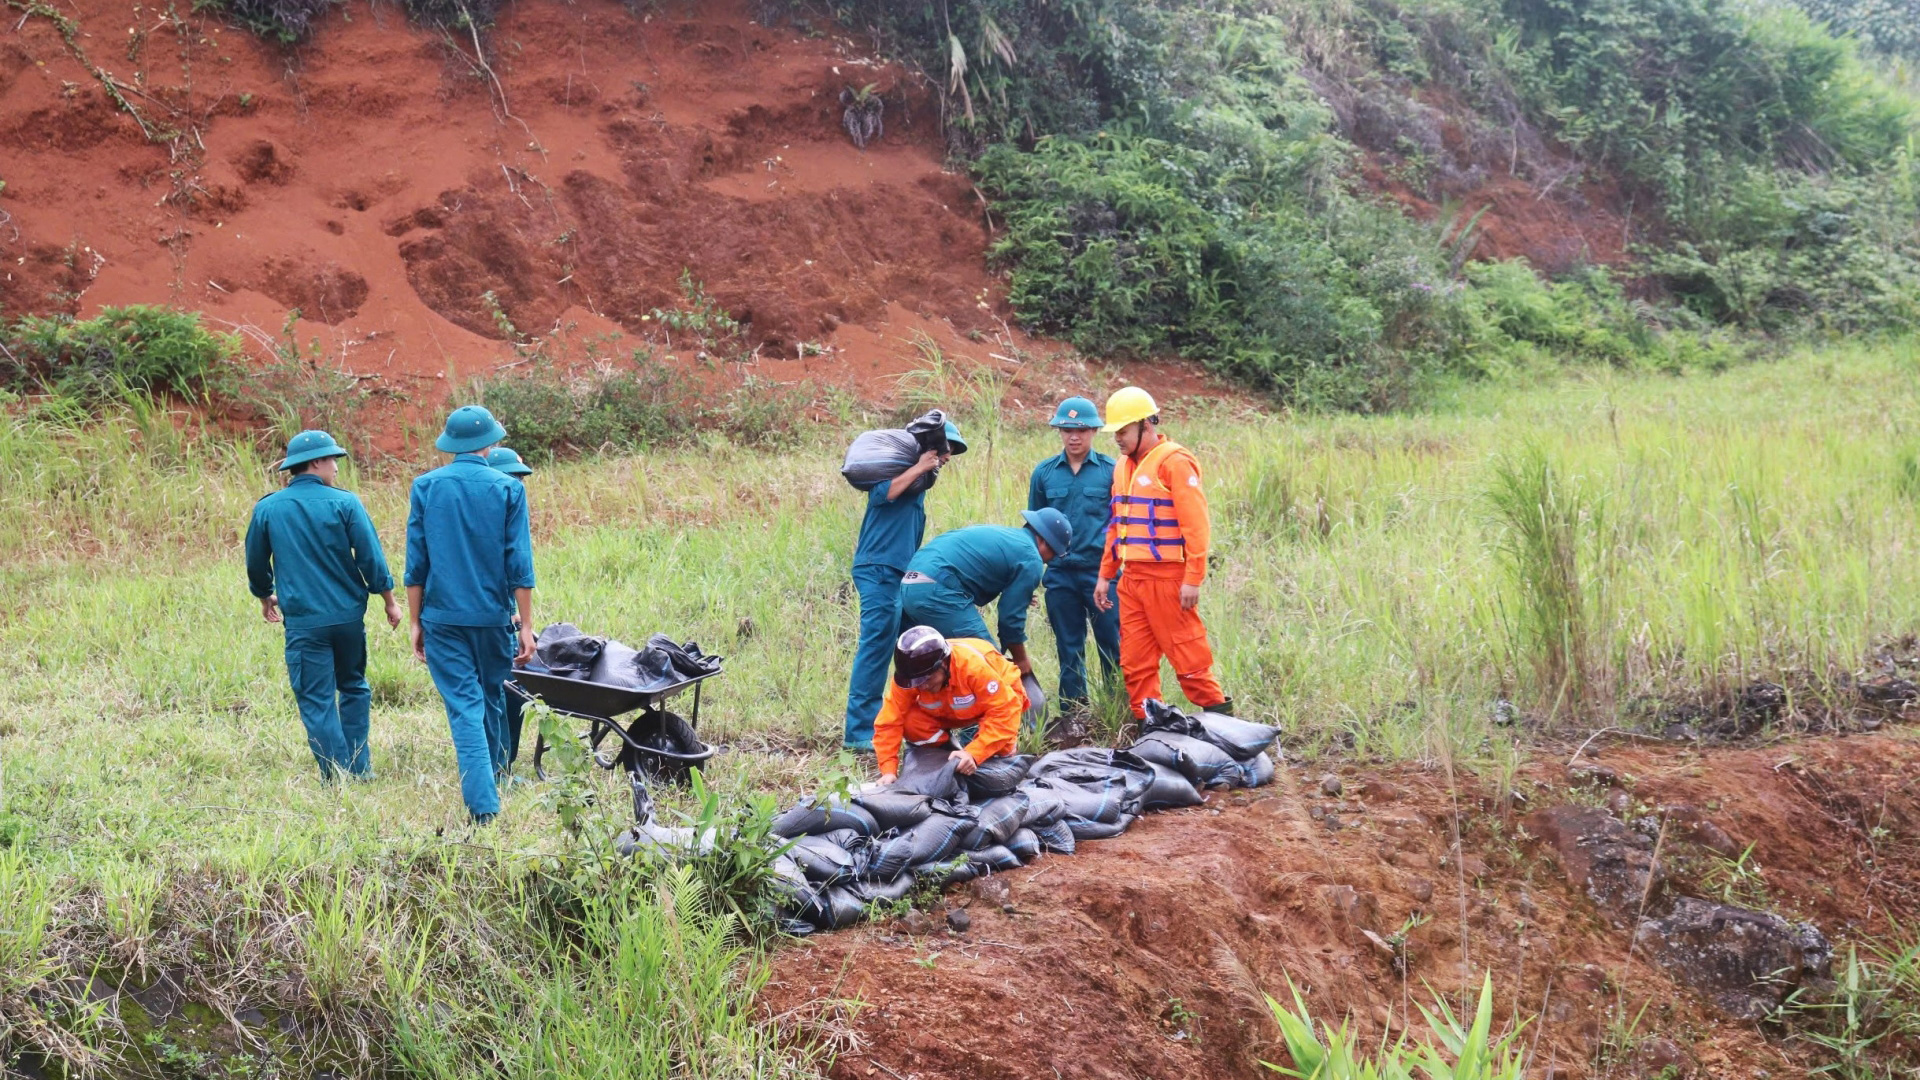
(941, 686)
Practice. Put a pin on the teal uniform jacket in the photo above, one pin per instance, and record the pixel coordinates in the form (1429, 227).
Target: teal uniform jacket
(984, 562)
(1084, 497)
(892, 530)
(467, 543)
(314, 546)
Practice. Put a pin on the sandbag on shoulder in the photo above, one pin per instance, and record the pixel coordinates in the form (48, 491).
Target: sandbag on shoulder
(937, 838)
(995, 777)
(1170, 791)
(822, 861)
(1241, 738)
(1201, 762)
(995, 859)
(1056, 837)
(894, 809)
(1097, 830)
(1025, 844)
(810, 817)
(998, 819)
(955, 871)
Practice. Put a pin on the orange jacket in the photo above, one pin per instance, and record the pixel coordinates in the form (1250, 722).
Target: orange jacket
(982, 688)
(1158, 523)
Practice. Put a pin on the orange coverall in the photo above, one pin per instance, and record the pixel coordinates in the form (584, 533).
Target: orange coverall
(982, 688)
(1158, 533)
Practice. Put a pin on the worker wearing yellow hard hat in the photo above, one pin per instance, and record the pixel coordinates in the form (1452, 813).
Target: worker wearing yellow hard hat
(1159, 531)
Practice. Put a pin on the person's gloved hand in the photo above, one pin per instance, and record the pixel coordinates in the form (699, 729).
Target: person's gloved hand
(963, 762)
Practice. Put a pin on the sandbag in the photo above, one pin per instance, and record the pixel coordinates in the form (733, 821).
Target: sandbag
(1201, 762)
(634, 669)
(1095, 765)
(998, 819)
(1026, 844)
(1104, 802)
(929, 770)
(876, 457)
(835, 908)
(1099, 830)
(995, 777)
(652, 839)
(938, 837)
(1044, 806)
(1057, 838)
(955, 871)
(846, 838)
(870, 891)
(786, 881)
(994, 859)
(1241, 738)
(809, 817)
(686, 657)
(823, 862)
(563, 650)
(1257, 771)
(895, 809)
(1170, 790)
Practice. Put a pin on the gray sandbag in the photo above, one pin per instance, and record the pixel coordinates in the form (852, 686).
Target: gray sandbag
(871, 891)
(1170, 791)
(1257, 771)
(955, 871)
(995, 777)
(822, 861)
(786, 881)
(835, 908)
(663, 840)
(1044, 806)
(894, 809)
(563, 650)
(929, 770)
(1200, 761)
(992, 860)
(1096, 765)
(846, 838)
(1104, 802)
(1025, 844)
(810, 817)
(998, 819)
(938, 837)
(1241, 738)
(634, 669)
(876, 457)
(1098, 830)
(1057, 838)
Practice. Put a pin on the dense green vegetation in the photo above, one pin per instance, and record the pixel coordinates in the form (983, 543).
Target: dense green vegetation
(1181, 177)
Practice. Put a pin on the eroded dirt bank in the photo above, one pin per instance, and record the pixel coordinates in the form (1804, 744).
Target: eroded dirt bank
(1146, 956)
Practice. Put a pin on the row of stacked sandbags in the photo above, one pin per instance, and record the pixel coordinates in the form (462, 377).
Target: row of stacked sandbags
(876, 846)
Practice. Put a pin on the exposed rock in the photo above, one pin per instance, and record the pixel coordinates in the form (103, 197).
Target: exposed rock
(1661, 1057)
(1358, 908)
(1619, 803)
(993, 888)
(1330, 785)
(1689, 823)
(1421, 890)
(1612, 864)
(915, 922)
(1746, 962)
(959, 921)
(1593, 774)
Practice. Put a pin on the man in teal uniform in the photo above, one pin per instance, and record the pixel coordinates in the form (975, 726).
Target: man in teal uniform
(312, 560)
(469, 563)
(1078, 482)
(962, 571)
(891, 532)
(509, 462)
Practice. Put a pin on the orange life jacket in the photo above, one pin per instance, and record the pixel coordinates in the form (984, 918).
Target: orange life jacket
(1141, 510)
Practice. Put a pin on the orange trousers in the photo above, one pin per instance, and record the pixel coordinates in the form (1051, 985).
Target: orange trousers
(1152, 626)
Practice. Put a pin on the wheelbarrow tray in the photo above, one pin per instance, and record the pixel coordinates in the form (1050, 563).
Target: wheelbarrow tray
(592, 699)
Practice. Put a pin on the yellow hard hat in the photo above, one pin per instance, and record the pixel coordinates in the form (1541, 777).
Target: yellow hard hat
(1128, 405)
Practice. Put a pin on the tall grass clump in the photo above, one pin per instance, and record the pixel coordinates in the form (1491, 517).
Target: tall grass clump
(1465, 1052)
(1545, 526)
(139, 349)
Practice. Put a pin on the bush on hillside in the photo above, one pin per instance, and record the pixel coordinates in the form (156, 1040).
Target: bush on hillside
(285, 21)
(124, 350)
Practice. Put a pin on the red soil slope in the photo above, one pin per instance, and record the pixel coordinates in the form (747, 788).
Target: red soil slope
(1147, 955)
(382, 182)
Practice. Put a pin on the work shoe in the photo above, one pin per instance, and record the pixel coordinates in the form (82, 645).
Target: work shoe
(483, 820)
(858, 747)
(1225, 708)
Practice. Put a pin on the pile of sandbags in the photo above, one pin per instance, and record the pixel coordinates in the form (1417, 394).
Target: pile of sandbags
(936, 827)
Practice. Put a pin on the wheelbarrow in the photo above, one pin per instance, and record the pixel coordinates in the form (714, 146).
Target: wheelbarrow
(646, 747)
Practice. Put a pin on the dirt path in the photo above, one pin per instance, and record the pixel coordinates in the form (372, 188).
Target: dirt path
(1147, 955)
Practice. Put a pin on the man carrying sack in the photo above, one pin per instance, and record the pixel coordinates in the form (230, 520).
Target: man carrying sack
(1160, 533)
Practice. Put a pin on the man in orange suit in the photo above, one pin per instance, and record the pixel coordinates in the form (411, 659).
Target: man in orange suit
(1158, 534)
(942, 685)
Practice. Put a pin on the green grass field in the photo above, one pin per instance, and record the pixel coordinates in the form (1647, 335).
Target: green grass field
(1584, 548)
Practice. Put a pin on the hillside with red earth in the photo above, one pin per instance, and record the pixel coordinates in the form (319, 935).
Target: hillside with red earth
(420, 202)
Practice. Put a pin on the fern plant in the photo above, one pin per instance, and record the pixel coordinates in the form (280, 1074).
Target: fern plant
(1464, 1052)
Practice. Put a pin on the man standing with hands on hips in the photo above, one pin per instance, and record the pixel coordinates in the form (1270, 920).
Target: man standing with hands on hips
(1160, 534)
(470, 563)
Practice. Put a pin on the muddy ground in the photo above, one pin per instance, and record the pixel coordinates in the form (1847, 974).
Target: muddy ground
(1147, 955)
